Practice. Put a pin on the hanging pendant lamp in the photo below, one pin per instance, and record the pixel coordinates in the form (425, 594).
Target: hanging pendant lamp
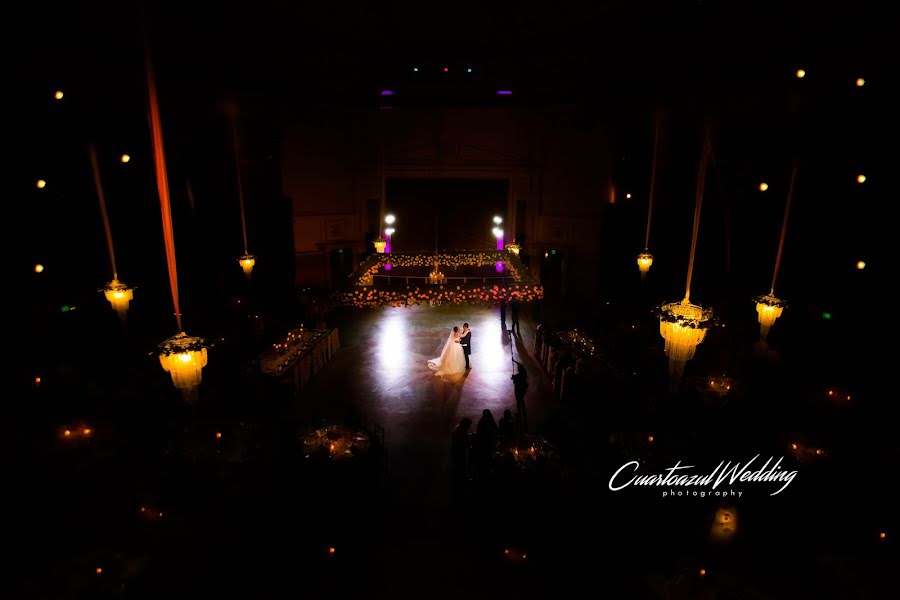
(768, 306)
(246, 260)
(682, 324)
(182, 356)
(645, 259)
(116, 292)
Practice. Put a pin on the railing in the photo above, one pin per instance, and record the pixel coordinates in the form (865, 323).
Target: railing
(446, 280)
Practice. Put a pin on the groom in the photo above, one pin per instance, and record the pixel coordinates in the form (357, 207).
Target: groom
(466, 342)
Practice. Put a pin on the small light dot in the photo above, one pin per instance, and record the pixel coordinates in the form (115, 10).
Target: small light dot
(446, 70)
(628, 196)
(58, 95)
(67, 433)
(702, 572)
(882, 535)
(86, 431)
(469, 70)
(763, 186)
(860, 178)
(218, 435)
(860, 82)
(143, 509)
(861, 265)
(650, 438)
(125, 158)
(331, 550)
(793, 446)
(37, 381)
(38, 268)
(41, 184)
(415, 69)
(800, 73)
(831, 392)
(98, 570)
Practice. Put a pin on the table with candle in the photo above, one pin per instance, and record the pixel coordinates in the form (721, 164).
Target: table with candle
(300, 355)
(336, 443)
(529, 454)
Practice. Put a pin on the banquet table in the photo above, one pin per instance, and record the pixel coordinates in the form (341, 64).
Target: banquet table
(297, 361)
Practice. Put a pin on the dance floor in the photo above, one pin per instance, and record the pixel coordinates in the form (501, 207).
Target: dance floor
(381, 372)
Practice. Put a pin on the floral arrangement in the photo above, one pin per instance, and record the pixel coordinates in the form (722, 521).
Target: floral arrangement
(690, 315)
(770, 300)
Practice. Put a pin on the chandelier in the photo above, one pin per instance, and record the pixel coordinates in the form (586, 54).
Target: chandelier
(247, 261)
(183, 357)
(119, 295)
(683, 326)
(768, 309)
(436, 277)
(380, 244)
(514, 248)
(644, 262)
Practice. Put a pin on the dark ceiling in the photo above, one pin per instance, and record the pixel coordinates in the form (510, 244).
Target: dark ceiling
(545, 51)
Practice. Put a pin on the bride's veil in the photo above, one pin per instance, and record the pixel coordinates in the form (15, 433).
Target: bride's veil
(447, 347)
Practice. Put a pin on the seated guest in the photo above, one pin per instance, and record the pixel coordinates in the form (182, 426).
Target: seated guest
(485, 438)
(487, 427)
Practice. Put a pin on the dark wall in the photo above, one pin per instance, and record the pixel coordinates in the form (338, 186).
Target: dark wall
(445, 213)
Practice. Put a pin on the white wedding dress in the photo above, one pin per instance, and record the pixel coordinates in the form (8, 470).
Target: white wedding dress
(452, 360)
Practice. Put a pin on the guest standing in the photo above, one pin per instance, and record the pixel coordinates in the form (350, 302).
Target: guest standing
(520, 386)
(485, 438)
(514, 315)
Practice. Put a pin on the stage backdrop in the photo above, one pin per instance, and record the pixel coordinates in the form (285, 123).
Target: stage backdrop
(452, 213)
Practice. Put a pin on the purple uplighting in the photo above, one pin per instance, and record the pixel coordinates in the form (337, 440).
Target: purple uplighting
(504, 92)
(386, 93)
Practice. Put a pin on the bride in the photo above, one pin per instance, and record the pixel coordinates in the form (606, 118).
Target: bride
(452, 360)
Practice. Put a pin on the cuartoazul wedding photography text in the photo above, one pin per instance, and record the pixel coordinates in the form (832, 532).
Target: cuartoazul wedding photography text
(677, 476)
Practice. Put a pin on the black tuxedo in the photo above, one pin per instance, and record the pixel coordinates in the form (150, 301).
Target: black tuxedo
(466, 343)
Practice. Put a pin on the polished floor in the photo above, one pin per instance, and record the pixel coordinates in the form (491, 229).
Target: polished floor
(381, 373)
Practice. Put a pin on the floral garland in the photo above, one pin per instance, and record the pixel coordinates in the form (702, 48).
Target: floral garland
(461, 294)
(770, 300)
(668, 314)
(181, 343)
